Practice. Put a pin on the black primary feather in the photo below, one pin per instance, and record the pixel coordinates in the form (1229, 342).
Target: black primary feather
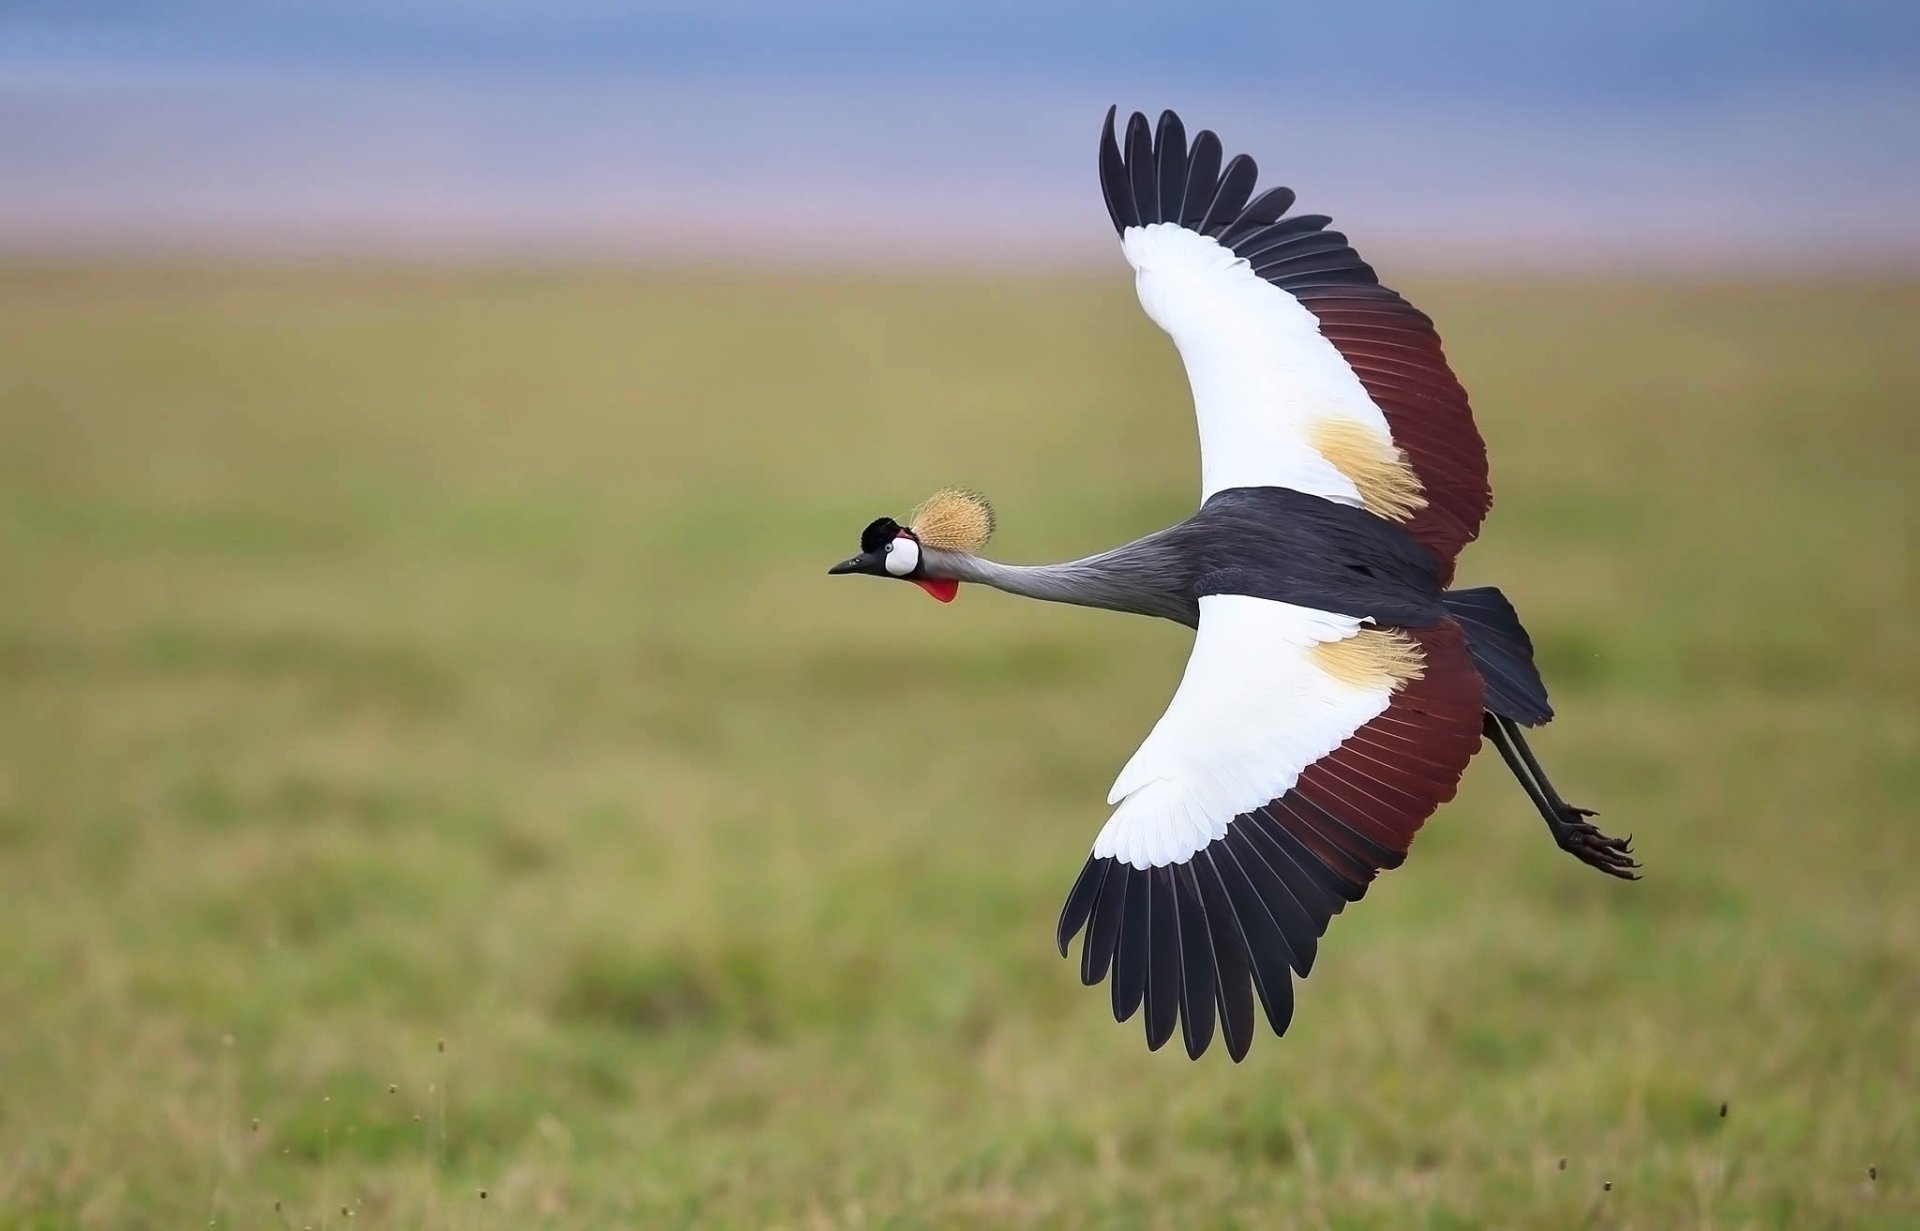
(1103, 933)
(1086, 891)
(1113, 178)
(1203, 178)
(1267, 946)
(1233, 988)
(1285, 237)
(1146, 188)
(1196, 964)
(1236, 185)
(1163, 959)
(1312, 882)
(1170, 157)
(1130, 961)
(1344, 263)
(1263, 211)
(1283, 905)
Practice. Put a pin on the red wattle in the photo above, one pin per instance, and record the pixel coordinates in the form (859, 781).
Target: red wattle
(943, 588)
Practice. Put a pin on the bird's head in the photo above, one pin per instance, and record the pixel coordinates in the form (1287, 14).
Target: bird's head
(948, 521)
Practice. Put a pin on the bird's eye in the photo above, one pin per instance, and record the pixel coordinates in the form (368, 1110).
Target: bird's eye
(903, 556)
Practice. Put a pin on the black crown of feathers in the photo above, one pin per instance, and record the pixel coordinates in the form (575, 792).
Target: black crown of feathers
(880, 532)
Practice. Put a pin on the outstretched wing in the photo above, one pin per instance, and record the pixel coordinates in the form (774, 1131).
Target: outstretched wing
(1306, 372)
(1300, 753)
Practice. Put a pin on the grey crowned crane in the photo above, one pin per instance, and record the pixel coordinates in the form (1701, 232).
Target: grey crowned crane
(1337, 686)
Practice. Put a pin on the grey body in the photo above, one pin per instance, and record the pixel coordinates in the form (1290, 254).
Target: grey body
(1266, 542)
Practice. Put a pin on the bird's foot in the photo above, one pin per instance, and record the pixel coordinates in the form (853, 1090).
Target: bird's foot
(1585, 842)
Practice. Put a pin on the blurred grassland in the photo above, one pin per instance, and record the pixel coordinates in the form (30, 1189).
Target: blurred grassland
(390, 657)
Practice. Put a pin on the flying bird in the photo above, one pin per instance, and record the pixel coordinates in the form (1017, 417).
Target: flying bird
(1338, 685)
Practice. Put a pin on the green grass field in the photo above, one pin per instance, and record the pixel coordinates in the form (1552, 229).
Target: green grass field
(433, 760)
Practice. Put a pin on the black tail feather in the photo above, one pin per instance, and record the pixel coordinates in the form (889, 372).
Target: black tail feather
(1503, 652)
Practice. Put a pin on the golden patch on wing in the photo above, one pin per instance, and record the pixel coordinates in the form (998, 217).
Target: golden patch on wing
(1371, 462)
(1372, 658)
(953, 519)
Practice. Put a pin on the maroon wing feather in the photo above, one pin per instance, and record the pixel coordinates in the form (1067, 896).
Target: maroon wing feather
(1362, 803)
(1395, 351)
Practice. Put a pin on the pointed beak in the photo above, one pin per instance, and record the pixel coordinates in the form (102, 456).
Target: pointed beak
(865, 562)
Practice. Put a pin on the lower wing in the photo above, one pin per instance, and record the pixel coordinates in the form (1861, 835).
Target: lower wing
(1300, 754)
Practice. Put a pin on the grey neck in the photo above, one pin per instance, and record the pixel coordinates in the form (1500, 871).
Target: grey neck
(1124, 579)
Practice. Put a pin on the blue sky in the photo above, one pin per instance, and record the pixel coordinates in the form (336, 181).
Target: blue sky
(1497, 132)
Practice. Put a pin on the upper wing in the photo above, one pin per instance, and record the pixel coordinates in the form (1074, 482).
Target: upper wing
(1300, 753)
(1306, 372)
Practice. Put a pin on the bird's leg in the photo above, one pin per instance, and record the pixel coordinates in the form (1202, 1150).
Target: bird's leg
(1570, 827)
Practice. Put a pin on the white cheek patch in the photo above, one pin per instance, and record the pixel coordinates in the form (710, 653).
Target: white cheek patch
(903, 556)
